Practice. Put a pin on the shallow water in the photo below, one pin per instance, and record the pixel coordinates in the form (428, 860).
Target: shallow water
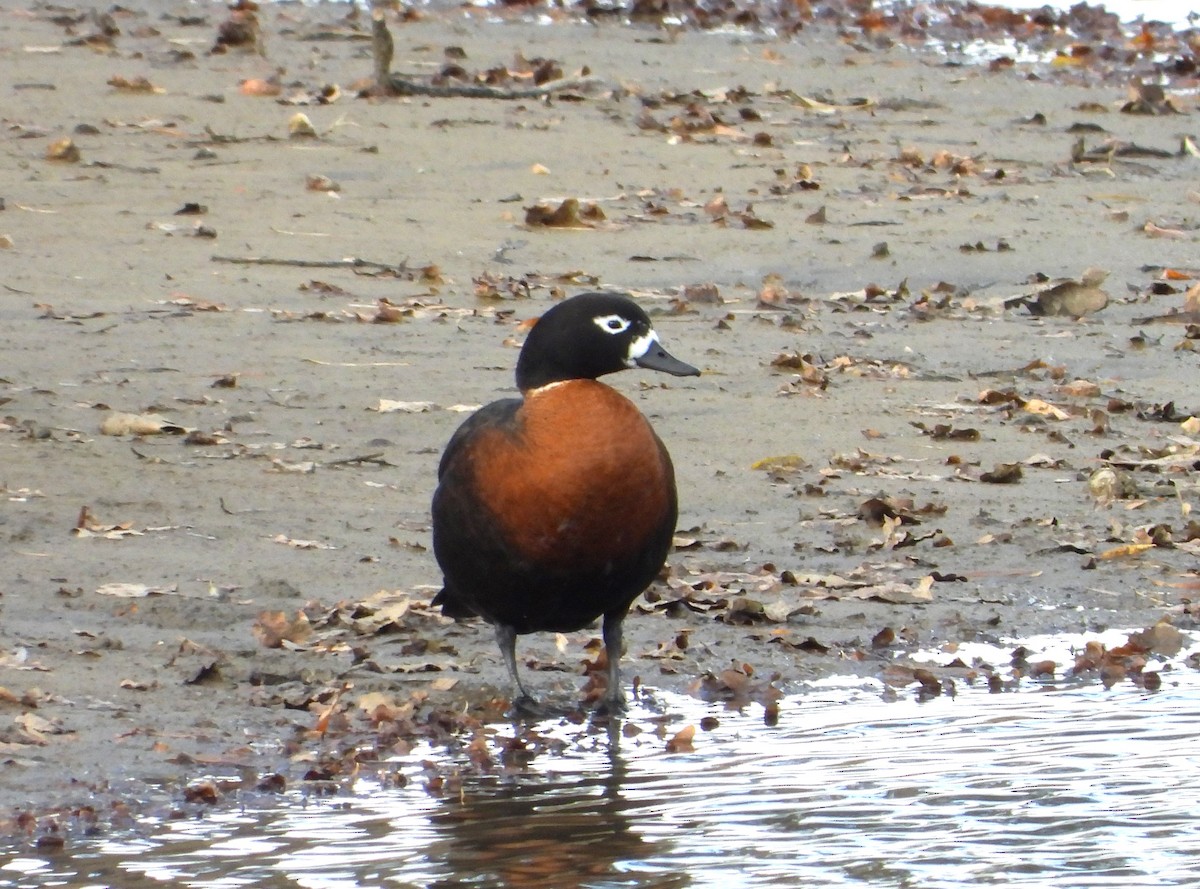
(1043, 786)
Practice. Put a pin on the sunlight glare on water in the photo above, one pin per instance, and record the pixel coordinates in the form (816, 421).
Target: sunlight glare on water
(1043, 787)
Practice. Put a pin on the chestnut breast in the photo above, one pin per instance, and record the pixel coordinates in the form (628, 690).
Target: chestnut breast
(579, 481)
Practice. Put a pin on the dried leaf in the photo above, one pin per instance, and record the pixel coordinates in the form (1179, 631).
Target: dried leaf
(386, 406)
(203, 792)
(1158, 231)
(773, 293)
(300, 127)
(318, 182)
(681, 742)
(1081, 389)
(138, 685)
(569, 214)
(134, 85)
(1044, 409)
(896, 592)
(1162, 638)
(274, 629)
(1107, 484)
(132, 590)
(63, 151)
(1003, 474)
(301, 544)
(1191, 299)
(782, 463)
(139, 424)
(259, 87)
(778, 611)
(1125, 552)
(86, 525)
(1071, 298)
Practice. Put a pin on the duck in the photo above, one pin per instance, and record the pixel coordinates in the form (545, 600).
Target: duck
(558, 508)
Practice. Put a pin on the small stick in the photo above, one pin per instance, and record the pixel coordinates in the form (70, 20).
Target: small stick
(350, 262)
(225, 509)
(377, 459)
(382, 48)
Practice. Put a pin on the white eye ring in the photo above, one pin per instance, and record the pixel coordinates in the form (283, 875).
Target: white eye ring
(612, 324)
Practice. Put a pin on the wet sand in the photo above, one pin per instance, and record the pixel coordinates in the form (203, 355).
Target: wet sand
(839, 249)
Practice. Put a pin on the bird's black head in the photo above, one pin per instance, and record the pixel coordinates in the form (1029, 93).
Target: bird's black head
(590, 335)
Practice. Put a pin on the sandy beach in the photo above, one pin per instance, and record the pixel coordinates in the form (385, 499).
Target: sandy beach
(231, 356)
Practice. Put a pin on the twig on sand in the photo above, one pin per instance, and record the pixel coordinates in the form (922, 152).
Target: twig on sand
(228, 511)
(376, 458)
(350, 262)
(389, 84)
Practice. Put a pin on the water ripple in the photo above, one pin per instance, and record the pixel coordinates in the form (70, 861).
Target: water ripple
(1064, 788)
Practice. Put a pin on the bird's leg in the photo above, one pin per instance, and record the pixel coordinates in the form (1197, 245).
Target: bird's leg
(614, 698)
(506, 638)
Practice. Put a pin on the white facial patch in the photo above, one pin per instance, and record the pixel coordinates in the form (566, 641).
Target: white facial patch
(613, 324)
(640, 347)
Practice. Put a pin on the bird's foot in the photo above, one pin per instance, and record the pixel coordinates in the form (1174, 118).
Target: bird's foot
(611, 706)
(525, 706)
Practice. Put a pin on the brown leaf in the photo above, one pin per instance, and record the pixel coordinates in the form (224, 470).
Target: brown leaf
(388, 312)
(1191, 301)
(1003, 474)
(258, 87)
(1081, 389)
(202, 792)
(318, 182)
(1044, 669)
(1127, 551)
(63, 151)
(707, 293)
(717, 207)
(138, 685)
(807, 371)
(946, 432)
(1147, 98)
(681, 742)
(1071, 298)
(1044, 409)
(895, 592)
(782, 463)
(743, 611)
(1162, 638)
(135, 85)
(876, 509)
(241, 30)
(195, 663)
(139, 424)
(569, 214)
(1107, 484)
(273, 629)
(773, 292)
(1158, 231)
(300, 127)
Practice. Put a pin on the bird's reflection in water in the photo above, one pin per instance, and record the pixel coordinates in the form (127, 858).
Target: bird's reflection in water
(552, 831)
